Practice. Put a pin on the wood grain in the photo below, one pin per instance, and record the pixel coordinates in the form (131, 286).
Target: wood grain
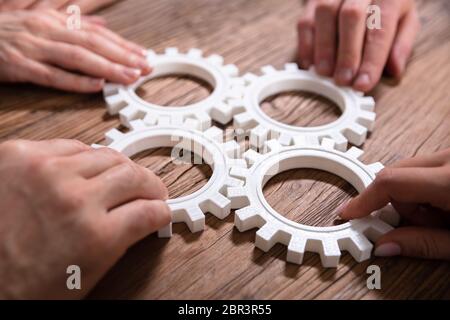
(412, 118)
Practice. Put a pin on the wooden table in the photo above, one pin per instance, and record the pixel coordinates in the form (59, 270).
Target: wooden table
(413, 118)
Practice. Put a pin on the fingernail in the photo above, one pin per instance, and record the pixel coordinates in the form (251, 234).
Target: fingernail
(131, 73)
(98, 83)
(363, 80)
(389, 249)
(342, 208)
(345, 75)
(323, 66)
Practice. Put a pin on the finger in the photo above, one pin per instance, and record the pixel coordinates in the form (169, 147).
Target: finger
(15, 4)
(77, 58)
(405, 185)
(60, 147)
(121, 42)
(49, 76)
(88, 6)
(377, 45)
(305, 30)
(98, 20)
(436, 159)
(95, 161)
(403, 44)
(415, 242)
(420, 215)
(325, 36)
(104, 47)
(352, 28)
(44, 4)
(136, 220)
(127, 182)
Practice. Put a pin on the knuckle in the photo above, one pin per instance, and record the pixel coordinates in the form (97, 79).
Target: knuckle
(69, 198)
(15, 147)
(325, 7)
(429, 247)
(304, 23)
(352, 12)
(112, 154)
(384, 177)
(133, 172)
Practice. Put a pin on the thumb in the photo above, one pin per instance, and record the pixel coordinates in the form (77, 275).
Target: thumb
(415, 242)
(136, 220)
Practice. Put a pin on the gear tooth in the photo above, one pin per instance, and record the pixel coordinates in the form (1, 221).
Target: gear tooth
(376, 228)
(247, 218)
(115, 103)
(113, 135)
(249, 78)
(238, 197)
(329, 253)
(251, 156)
(215, 134)
(171, 52)
(231, 70)
(356, 134)
(195, 219)
(239, 81)
(232, 149)
(240, 163)
(150, 119)
(151, 56)
(164, 120)
(239, 172)
(128, 114)
(340, 141)
(285, 139)
(204, 119)
(195, 53)
(236, 92)
(243, 120)
(296, 249)
(97, 146)
(358, 246)
(111, 89)
(218, 205)
(367, 103)
(237, 105)
(271, 146)
(267, 237)
(266, 70)
(367, 119)
(165, 232)
(306, 141)
(291, 67)
(258, 136)
(192, 124)
(389, 215)
(222, 113)
(215, 59)
(354, 152)
(137, 124)
(233, 182)
(375, 167)
(176, 120)
(328, 143)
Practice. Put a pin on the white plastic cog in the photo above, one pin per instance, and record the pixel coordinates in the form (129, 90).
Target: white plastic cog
(208, 145)
(352, 126)
(275, 228)
(218, 105)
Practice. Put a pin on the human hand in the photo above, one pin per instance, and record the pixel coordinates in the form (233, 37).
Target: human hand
(86, 6)
(63, 203)
(419, 189)
(332, 35)
(36, 46)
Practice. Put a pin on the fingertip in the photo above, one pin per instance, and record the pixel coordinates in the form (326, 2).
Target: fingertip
(164, 213)
(363, 82)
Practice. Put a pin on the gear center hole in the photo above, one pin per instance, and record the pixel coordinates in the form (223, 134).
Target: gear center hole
(175, 90)
(181, 179)
(308, 196)
(301, 108)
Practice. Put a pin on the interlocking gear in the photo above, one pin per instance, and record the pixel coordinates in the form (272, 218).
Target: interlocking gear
(208, 145)
(356, 119)
(274, 228)
(219, 105)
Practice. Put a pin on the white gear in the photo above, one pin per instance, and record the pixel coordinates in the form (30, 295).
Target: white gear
(218, 105)
(356, 119)
(208, 145)
(275, 228)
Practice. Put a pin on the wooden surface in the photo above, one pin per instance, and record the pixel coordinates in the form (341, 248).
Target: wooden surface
(413, 118)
